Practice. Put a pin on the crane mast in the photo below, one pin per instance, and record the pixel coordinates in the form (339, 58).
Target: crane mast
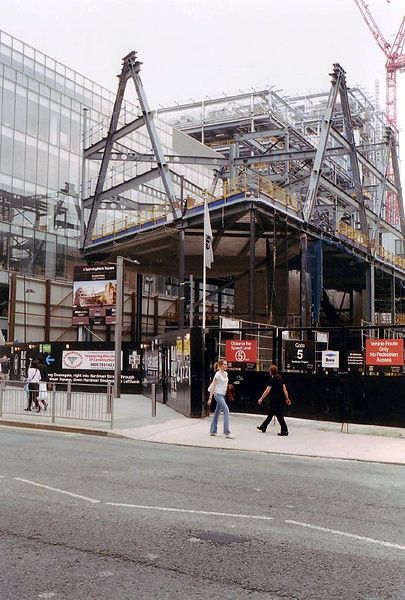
(395, 62)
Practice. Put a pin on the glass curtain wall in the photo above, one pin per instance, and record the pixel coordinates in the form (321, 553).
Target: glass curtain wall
(41, 104)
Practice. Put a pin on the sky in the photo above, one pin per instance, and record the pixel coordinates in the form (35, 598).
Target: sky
(192, 49)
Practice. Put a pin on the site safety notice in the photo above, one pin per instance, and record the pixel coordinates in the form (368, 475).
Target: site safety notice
(385, 352)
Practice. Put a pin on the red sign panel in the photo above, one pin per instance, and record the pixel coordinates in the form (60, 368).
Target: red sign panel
(243, 351)
(385, 352)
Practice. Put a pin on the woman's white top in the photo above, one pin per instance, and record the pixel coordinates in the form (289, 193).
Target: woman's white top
(33, 374)
(221, 382)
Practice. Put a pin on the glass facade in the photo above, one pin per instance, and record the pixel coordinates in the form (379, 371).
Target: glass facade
(41, 112)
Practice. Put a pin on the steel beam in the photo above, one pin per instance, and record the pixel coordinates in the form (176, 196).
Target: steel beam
(107, 152)
(354, 164)
(134, 67)
(132, 183)
(96, 148)
(315, 176)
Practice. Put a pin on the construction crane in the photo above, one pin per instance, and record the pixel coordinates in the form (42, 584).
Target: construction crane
(395, 59)
(395, 62)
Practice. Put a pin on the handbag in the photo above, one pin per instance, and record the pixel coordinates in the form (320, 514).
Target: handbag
(230, 393)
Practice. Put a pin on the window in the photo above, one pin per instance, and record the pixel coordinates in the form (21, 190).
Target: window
(32, 115)
(7, 144)
(20, 108)
(44, 113)
(8, 103)
(19, 155)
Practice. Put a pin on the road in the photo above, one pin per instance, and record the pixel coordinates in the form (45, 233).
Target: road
(83, 517)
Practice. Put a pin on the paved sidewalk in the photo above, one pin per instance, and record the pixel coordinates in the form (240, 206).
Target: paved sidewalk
(133, 419)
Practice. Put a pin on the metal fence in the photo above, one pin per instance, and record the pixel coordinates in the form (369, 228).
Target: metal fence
(70, 402)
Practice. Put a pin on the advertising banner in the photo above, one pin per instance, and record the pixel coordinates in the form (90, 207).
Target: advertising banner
(241, 351)
(94, 295)
(88, 360)
(385, 352)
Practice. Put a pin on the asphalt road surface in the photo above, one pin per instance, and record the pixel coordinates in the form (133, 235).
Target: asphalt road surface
(93, 518)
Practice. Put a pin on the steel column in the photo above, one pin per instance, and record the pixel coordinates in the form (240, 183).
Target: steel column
(252, 266)
(118, 327)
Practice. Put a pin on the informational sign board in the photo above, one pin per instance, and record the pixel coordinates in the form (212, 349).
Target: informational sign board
(330, 359)
(385, 352)
(355, 361)
(299, 355)
(94, 295)
(88, 360)
(227, 323)
(81, 362)
(151, 362)
(241, 351)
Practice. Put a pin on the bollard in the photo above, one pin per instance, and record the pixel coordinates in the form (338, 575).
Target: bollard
(53, 407)
(69, 396)
(112, 400)
(153, 388)
(110, 394)
(2, 386)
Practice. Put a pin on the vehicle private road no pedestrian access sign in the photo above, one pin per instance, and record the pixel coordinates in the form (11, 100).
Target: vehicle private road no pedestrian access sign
(239, 352)
(385, 352)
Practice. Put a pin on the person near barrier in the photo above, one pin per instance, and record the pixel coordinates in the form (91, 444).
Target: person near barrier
(43, 384)
(218, 388)
(278, 398)
(33, 379)
(4, 367)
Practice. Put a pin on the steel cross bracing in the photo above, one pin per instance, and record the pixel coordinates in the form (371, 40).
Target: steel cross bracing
(280, 152)
(285, 153)
(130, 69)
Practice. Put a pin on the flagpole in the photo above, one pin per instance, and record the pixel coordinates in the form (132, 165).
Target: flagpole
(204, 290)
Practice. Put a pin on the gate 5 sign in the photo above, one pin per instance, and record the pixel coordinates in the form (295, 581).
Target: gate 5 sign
(299, 355)
(241, 351)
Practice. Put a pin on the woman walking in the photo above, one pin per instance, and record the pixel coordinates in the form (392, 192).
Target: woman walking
(33, 379)
(278, 398)
(218, 388)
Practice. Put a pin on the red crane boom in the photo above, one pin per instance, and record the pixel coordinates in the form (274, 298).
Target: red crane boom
(395, 62)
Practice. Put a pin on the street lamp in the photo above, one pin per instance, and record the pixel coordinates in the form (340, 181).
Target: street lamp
(118, 322)
(26, 292)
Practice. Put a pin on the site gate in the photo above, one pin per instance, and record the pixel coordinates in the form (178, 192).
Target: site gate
(342, 374)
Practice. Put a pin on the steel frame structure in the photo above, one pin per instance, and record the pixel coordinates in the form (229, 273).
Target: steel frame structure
(338, 175)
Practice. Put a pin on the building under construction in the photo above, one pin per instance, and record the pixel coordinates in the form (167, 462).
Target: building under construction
(299, 192)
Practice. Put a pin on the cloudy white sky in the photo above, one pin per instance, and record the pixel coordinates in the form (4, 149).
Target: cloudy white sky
(195, 48)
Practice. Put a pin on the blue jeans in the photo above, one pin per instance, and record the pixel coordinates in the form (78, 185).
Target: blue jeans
(221, 405)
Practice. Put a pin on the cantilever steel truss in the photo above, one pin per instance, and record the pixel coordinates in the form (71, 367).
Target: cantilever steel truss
(328, 157)
(335, 178)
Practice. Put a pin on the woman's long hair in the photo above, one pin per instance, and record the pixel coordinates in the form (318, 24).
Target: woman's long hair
(274, 372)
(219, 363)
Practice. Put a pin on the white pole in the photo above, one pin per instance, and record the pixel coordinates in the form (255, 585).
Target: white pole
(204, 290)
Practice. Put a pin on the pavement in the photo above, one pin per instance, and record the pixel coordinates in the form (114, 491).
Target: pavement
(322, 439)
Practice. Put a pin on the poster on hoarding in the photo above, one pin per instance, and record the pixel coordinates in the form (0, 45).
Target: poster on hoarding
(88, 360)
(94, 295)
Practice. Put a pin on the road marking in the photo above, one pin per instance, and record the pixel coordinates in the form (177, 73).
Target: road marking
(48, 487)
(213, 513)
(189, 511)
(345, 534)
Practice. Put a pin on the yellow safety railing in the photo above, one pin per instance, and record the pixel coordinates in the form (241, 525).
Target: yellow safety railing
(362, 239)
(241, 184)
